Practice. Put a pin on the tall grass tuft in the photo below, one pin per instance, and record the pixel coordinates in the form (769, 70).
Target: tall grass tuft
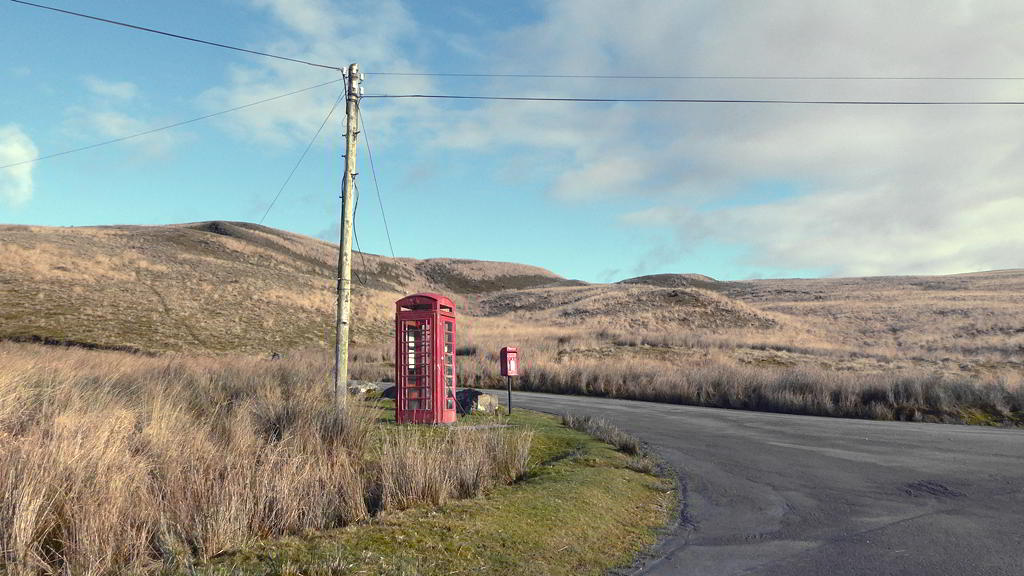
(605, 432)
(112, 463)
(905, 395)
(641, 459)
(413, 468)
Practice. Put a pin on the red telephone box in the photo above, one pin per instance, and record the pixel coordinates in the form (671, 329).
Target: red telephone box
(425, 359)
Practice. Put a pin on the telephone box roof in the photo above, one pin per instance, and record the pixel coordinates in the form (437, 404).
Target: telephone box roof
(427, 301)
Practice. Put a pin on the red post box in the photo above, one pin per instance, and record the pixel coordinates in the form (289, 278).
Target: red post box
(425, 359)
(509, 361)
(509, 368)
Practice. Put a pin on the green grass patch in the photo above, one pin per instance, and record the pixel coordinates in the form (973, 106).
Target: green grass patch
(981, 417)
(582, 509)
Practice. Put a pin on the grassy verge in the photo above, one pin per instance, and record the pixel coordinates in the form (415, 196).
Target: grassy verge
(581, 509)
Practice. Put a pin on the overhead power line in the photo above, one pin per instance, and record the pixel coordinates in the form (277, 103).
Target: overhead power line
(709, 100)
(168, 126)
(516, 75)
(302, 156)
(178, 36)
(376, 183)
(688, 77)
(355, 234)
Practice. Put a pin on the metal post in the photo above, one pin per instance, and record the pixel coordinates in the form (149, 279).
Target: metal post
(509, 395)
(345, 248)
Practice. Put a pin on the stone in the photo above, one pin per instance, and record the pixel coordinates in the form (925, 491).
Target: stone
(358, 387)
(469, 400)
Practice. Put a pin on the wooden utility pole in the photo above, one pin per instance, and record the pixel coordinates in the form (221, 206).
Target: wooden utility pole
(353, 92)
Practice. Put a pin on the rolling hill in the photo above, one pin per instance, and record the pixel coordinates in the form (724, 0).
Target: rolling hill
(233, 286)
(211, 286)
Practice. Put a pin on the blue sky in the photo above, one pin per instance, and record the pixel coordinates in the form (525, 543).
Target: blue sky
(592, 191)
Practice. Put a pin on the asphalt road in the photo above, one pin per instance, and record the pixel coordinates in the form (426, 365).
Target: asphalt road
(774, 494)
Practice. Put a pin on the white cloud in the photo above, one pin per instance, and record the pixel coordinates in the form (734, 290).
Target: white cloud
(111, 89)
(107, 123)
(312, 18)
(115, 110)
(318, 31)
(614, 175)
(852, 233)
(16, 181)
(884, 189)
(114, 124)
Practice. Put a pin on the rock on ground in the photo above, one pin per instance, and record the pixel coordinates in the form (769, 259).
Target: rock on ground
(469, 400)
(357, 387)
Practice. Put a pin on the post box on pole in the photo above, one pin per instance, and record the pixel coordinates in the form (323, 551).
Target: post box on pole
(509, 368)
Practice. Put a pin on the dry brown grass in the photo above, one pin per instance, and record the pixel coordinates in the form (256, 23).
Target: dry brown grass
(225, 287)
(963, 319)
(113, 463)
(414, 468)
(717, 382)
(210, 287)
(796, 365)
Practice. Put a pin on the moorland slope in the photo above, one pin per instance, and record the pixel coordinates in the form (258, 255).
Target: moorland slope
(888, 347)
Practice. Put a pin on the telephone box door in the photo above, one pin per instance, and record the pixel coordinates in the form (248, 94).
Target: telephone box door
(448, 369)
(415, 375)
